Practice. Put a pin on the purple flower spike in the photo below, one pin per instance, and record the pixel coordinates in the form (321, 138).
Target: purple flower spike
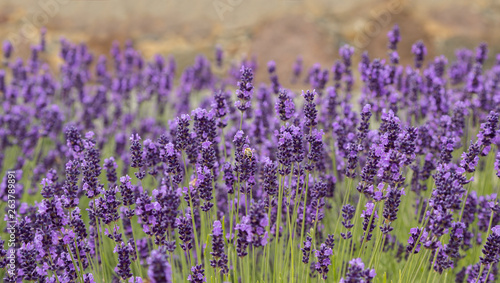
(357, 272)
(159, 270)
(394, 37)
(197, 274)
(219, 258)
(245, 89)
(419, 50)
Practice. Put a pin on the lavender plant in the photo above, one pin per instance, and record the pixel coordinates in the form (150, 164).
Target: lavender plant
(127, 169)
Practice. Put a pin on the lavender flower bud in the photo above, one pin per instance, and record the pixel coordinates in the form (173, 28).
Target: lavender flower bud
(491, 249)
(219, 258)
(197, 274)
(184, 225)
(391, 206)
(285, 108)
(7, 49)
(419, 50)
(357, 272)
(110, 167)
(310, 108)
(306, 249)
(182, 138)
(245, 89)
(456, 238)
(159, 270)
(323, 263)
(367, 216)
(487, 132)
(482, 53)
(136, 151)
(394, 37)
(364, 126)
(229, 177)
(123, 268)
(414, 242)
(471, 157)
(270, 184)
(219, 54)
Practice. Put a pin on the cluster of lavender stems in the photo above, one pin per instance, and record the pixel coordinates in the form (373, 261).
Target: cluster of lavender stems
(129, 169)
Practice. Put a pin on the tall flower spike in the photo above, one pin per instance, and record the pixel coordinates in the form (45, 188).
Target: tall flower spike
(245, 89)
(7, 49)
(182, 138)
(357, 272)
(220, 107)
(491, 250)
(487, 132)
(364, 126)
(482, 53)
(323, 263)
(136, 151)
(219, 258)
(159, 270)
(197, 274)
(110, 167)
(310, 108)
(419, 50)
(391, 207)
(471, 157)
(394, 37)
(297, 69)
(367, 216)
(219, 53)
(185, 227)
(270, 184)
(285, 108)
(123, 269)
(306, 249)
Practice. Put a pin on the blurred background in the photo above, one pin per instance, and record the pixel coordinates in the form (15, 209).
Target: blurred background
(272, 29)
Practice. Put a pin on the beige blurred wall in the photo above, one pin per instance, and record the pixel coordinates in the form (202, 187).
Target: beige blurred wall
(273, 29)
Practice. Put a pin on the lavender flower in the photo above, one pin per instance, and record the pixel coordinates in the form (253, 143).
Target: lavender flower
(136, 151)
(270, 184)
(197, 274)
(357, 272)
(182, 138)
(7, 49)
(184, 225)
(456, 239)
(159, 269)
(219, 53)
(416, 239)
(306, 249)
(419, 50)
(123, 269)
(245, 89)
(391, 207)
(323, 263)
(394, 37)
(310, 108)
(110, 167)
(365, 122)
(491, 250)
(482, 53)
(219, 258)
(285, 108)
(470, 158)
(347, 214)
(369, 216)
(487, 132)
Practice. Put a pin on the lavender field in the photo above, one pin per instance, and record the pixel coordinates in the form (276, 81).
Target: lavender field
(124, 168)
